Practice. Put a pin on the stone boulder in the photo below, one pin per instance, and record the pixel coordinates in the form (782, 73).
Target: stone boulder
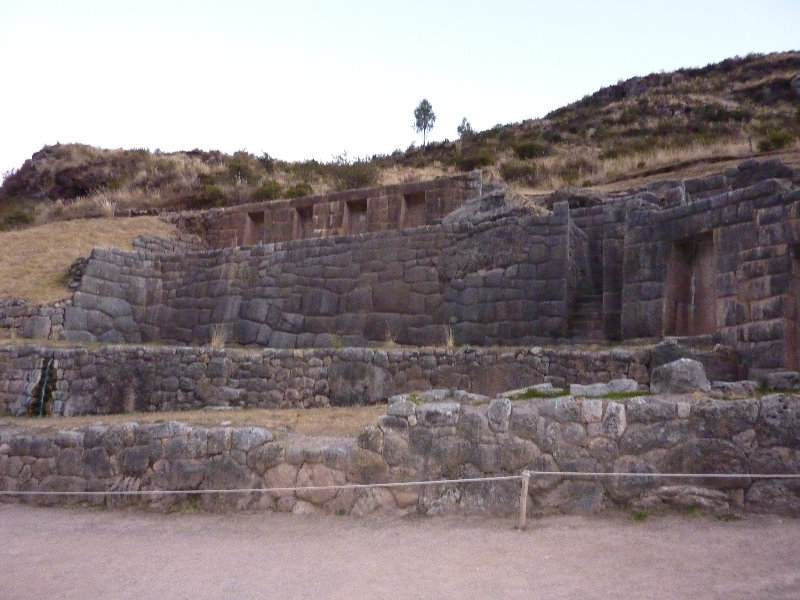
(681, 376)
(783, 381)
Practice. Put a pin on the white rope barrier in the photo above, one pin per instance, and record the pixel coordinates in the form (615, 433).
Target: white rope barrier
(307, 488)
(669, 475)
(524, 477)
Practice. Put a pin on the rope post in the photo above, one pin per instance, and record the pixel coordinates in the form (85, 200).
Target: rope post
(523, 500)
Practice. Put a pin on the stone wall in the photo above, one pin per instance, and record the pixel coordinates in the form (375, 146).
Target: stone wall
(181, 242)
(429, 441)
(340, 213)
(747, 215)
(117, 379)
(505, 280)
(21, 319)
(751, 236)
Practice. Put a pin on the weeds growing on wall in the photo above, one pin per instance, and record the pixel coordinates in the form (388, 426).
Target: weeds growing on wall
(218, 335)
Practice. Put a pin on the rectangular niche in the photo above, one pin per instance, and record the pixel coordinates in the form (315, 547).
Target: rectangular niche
(412, 212)
(793, 313)
(691, 296)
(254, 229)
(355, 217)
(303, 222)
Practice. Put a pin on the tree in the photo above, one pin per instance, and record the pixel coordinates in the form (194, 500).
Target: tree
(424, 118)
(465, 129)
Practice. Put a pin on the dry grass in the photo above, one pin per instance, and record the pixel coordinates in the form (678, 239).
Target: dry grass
(332, 421)
(402, 174)
(34, 261)
(219, 335)
(586, 168)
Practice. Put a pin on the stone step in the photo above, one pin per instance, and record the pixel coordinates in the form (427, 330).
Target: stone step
(586, 319)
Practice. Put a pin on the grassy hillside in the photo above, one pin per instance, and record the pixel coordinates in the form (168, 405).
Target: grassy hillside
(729, 110)
(34, 261)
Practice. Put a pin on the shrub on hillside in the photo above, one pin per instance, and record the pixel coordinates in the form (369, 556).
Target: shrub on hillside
(308, 170)
(775, 139)
(299, 189)
(519, 170)
(531, 149)
(350, 175)
(16, 217)
(206, 196)
(475, 159)
(243, 167)
(269, 190)
(576, 169)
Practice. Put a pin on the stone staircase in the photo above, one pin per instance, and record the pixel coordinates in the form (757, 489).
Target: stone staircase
(586, 319)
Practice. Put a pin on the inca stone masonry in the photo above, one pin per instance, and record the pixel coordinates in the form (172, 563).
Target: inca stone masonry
(359, 296)
(420, 263)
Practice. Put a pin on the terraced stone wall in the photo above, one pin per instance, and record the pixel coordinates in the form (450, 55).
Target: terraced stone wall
(504, 281)
(349, 212)
(118, 379)
(438, 440)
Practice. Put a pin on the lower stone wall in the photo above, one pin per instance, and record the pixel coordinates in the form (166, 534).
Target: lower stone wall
(417, 442)
(117, 379)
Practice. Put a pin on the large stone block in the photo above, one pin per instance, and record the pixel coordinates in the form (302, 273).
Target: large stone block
(356, 383)
(709, 456)
(439, 414)
(37, 327)
(682, 376)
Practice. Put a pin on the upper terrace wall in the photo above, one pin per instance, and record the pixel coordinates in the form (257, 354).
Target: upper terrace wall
(341, 213)
(502, 281)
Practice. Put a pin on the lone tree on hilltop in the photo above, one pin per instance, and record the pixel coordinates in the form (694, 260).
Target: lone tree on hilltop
(424, 118)
(465, 129)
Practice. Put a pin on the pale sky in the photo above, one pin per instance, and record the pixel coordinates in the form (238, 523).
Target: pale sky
(301, 79)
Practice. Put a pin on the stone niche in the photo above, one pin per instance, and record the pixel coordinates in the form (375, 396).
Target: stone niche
(690, 303)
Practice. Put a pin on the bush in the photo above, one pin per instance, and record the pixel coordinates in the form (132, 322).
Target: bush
(351, 175)
(775, 139)
(531, 149)
(475, 159)
(16, 217)
(576, 169)
(242, 167)
(518, 170)
(207, 196)
(308, 170)
(299, 189)
(269, 190)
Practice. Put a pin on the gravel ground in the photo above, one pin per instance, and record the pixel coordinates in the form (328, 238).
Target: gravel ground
(84, 553)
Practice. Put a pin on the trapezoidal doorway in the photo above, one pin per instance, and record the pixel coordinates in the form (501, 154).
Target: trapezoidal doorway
(793, 312)
(691, 298)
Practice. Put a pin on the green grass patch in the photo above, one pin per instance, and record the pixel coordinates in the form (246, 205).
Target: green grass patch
(534, 393)
(623, 395)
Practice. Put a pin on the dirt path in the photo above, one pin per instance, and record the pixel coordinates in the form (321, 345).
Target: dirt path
(84, 553)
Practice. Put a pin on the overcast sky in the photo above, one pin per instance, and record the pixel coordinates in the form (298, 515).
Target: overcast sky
(301, 79)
